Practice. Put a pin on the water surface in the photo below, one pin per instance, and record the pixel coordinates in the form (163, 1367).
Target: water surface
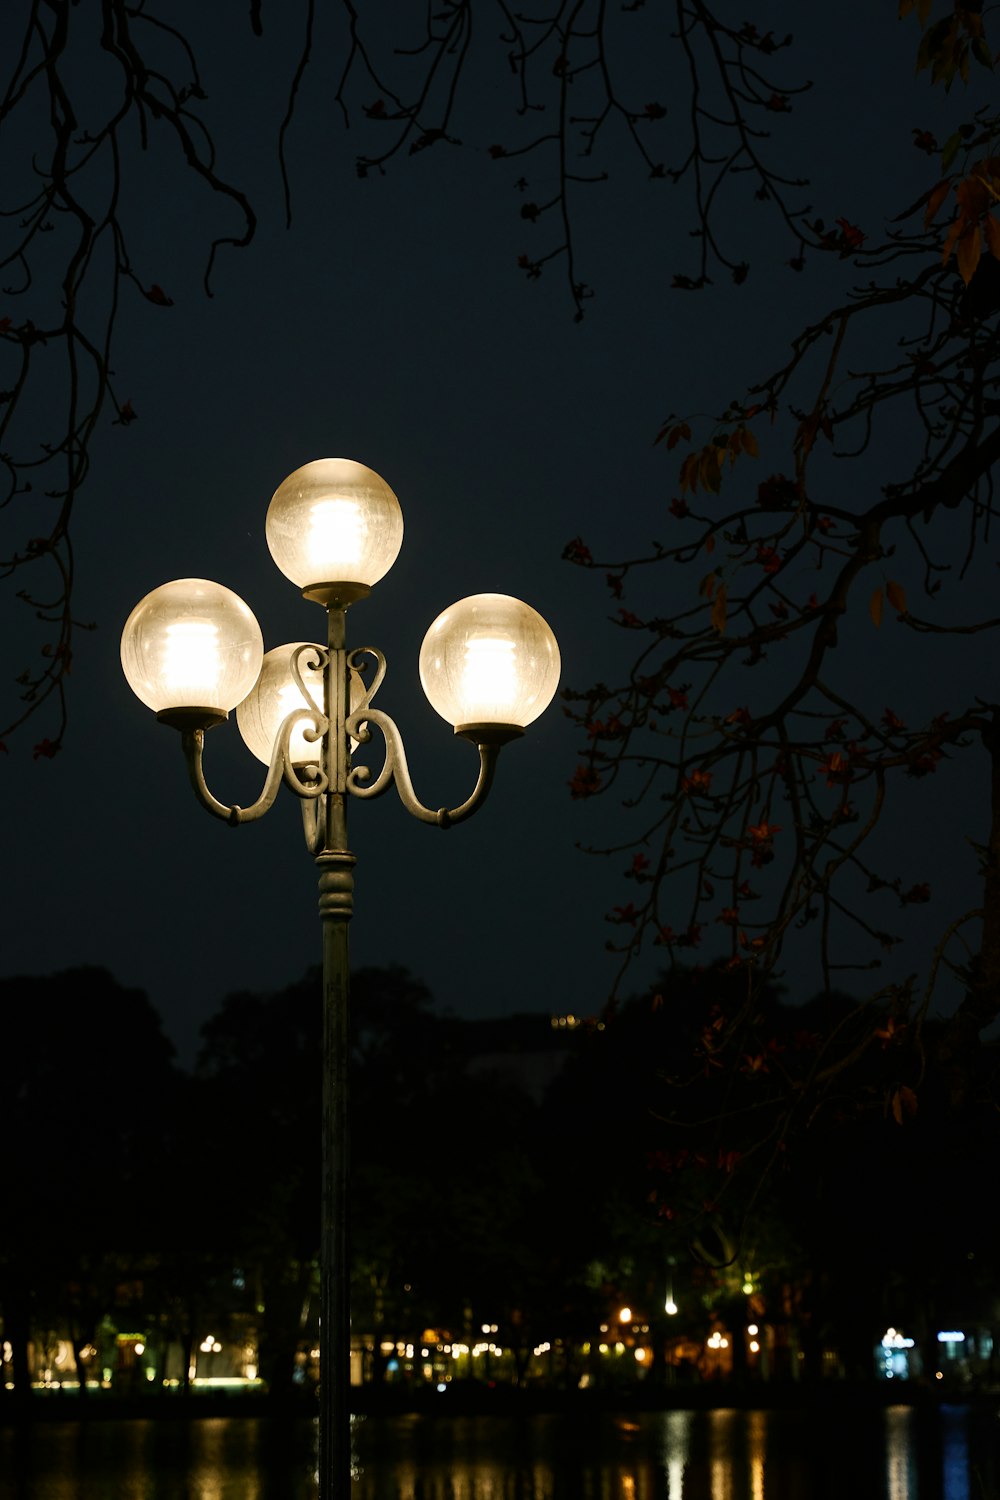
(898, 1454)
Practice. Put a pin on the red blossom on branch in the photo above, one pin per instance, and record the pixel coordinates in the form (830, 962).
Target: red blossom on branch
(836, 768)
(585, 782)
(850, 233)
(577, 551)
(769, 559)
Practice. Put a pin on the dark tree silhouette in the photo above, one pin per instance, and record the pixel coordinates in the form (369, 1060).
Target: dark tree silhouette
(90, 1095)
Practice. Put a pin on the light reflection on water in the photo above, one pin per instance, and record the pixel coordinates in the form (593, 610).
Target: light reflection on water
(955, 1454)
(677, 1455)
(898, 1453)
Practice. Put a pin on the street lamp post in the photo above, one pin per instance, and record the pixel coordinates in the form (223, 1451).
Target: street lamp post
(193, 651)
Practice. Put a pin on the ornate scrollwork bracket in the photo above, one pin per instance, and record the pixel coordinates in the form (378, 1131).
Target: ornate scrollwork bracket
(394, 766)
(308, 781)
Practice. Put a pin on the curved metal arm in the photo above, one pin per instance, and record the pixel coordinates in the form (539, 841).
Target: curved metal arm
(394, 768)
(307, 782)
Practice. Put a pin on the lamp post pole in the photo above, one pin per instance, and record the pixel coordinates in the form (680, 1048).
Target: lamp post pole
(335, 863)
(192, 651)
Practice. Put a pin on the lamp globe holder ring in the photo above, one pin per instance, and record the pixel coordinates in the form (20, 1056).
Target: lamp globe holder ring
(489, 734)
(186, 719)
(336, 595)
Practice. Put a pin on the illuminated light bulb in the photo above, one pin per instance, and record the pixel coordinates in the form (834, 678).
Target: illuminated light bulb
(753, 1330)
(625, 1316)
(754, 1347)
(489, 680)
(191, 656)
(337, 529)
(670, 1307)
(640, 1355)
(140, 1348)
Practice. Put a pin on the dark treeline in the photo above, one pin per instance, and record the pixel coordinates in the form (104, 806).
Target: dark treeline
(533, 1190)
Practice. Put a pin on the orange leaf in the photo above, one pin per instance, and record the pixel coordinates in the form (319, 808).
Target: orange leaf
(706, 587)
(710, 469)
(710, 543)
(970, 248)
(937, 197)
(750, 443)
(993, 235)
(897, 1108)
(896, 594)
(719, 611)
(875, 607)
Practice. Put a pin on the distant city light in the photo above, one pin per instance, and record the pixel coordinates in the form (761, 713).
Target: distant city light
(893, 1339)
(951, 1338)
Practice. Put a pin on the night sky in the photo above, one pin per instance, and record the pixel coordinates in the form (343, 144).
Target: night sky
(391, 325)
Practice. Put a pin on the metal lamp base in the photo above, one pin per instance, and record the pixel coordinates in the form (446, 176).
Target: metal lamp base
(489, 734)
